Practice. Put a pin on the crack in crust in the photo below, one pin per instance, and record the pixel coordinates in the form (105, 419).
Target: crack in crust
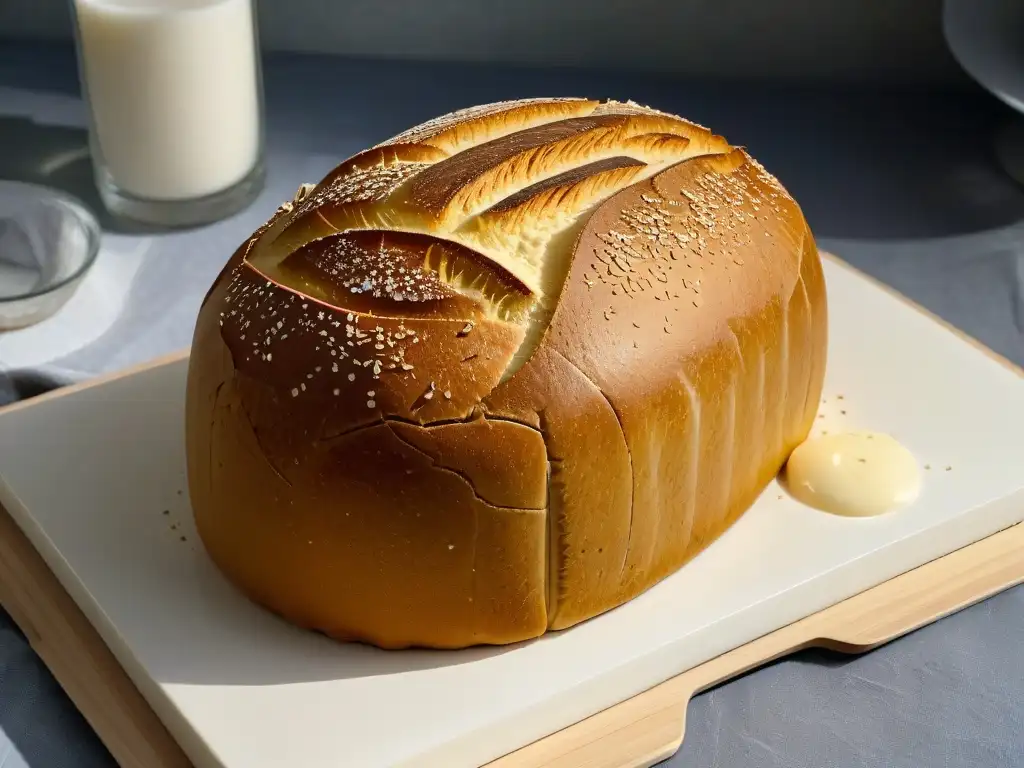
(473, 416)
(213, 421)
(256, 435)
(389, 423)
(629, 455)
(552, 559)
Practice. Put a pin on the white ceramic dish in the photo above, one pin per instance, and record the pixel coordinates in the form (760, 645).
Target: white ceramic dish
(97, 481)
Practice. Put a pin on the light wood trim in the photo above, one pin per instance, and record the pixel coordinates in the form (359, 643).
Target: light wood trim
(649, 728)
(634, 734)
(78, 658)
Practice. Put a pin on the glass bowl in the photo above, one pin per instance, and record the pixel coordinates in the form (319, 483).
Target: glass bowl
(48, 242)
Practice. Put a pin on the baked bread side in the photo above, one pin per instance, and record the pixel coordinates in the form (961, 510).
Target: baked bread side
(501, 373)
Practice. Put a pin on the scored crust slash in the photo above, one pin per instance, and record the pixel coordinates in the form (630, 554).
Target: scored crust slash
(501, 373)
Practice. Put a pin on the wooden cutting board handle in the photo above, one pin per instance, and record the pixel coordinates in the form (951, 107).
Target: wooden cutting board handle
(649, 728)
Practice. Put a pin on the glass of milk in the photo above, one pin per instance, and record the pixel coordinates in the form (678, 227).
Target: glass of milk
(175, 98)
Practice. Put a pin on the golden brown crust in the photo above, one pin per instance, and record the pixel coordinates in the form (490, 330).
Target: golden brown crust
(474, 125)
(537, 195)
(502, 373)
(402, 274)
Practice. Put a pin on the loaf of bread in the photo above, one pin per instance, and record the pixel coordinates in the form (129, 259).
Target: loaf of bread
(501, 373)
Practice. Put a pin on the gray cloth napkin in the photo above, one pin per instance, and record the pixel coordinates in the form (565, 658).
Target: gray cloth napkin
(19, 385)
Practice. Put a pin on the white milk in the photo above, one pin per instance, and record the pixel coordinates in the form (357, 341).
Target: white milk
(173, 87)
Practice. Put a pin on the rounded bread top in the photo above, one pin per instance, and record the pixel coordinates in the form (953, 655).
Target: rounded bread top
(422, 274)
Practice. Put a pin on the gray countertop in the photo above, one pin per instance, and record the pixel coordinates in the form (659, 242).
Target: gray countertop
(901, 184)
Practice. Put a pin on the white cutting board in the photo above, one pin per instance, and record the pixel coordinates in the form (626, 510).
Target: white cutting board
(96, 479)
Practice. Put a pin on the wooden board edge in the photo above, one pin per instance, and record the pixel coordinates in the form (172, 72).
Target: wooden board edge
(78, 658)
(649, 727)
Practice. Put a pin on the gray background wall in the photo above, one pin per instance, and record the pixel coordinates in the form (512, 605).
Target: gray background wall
(872, 40)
